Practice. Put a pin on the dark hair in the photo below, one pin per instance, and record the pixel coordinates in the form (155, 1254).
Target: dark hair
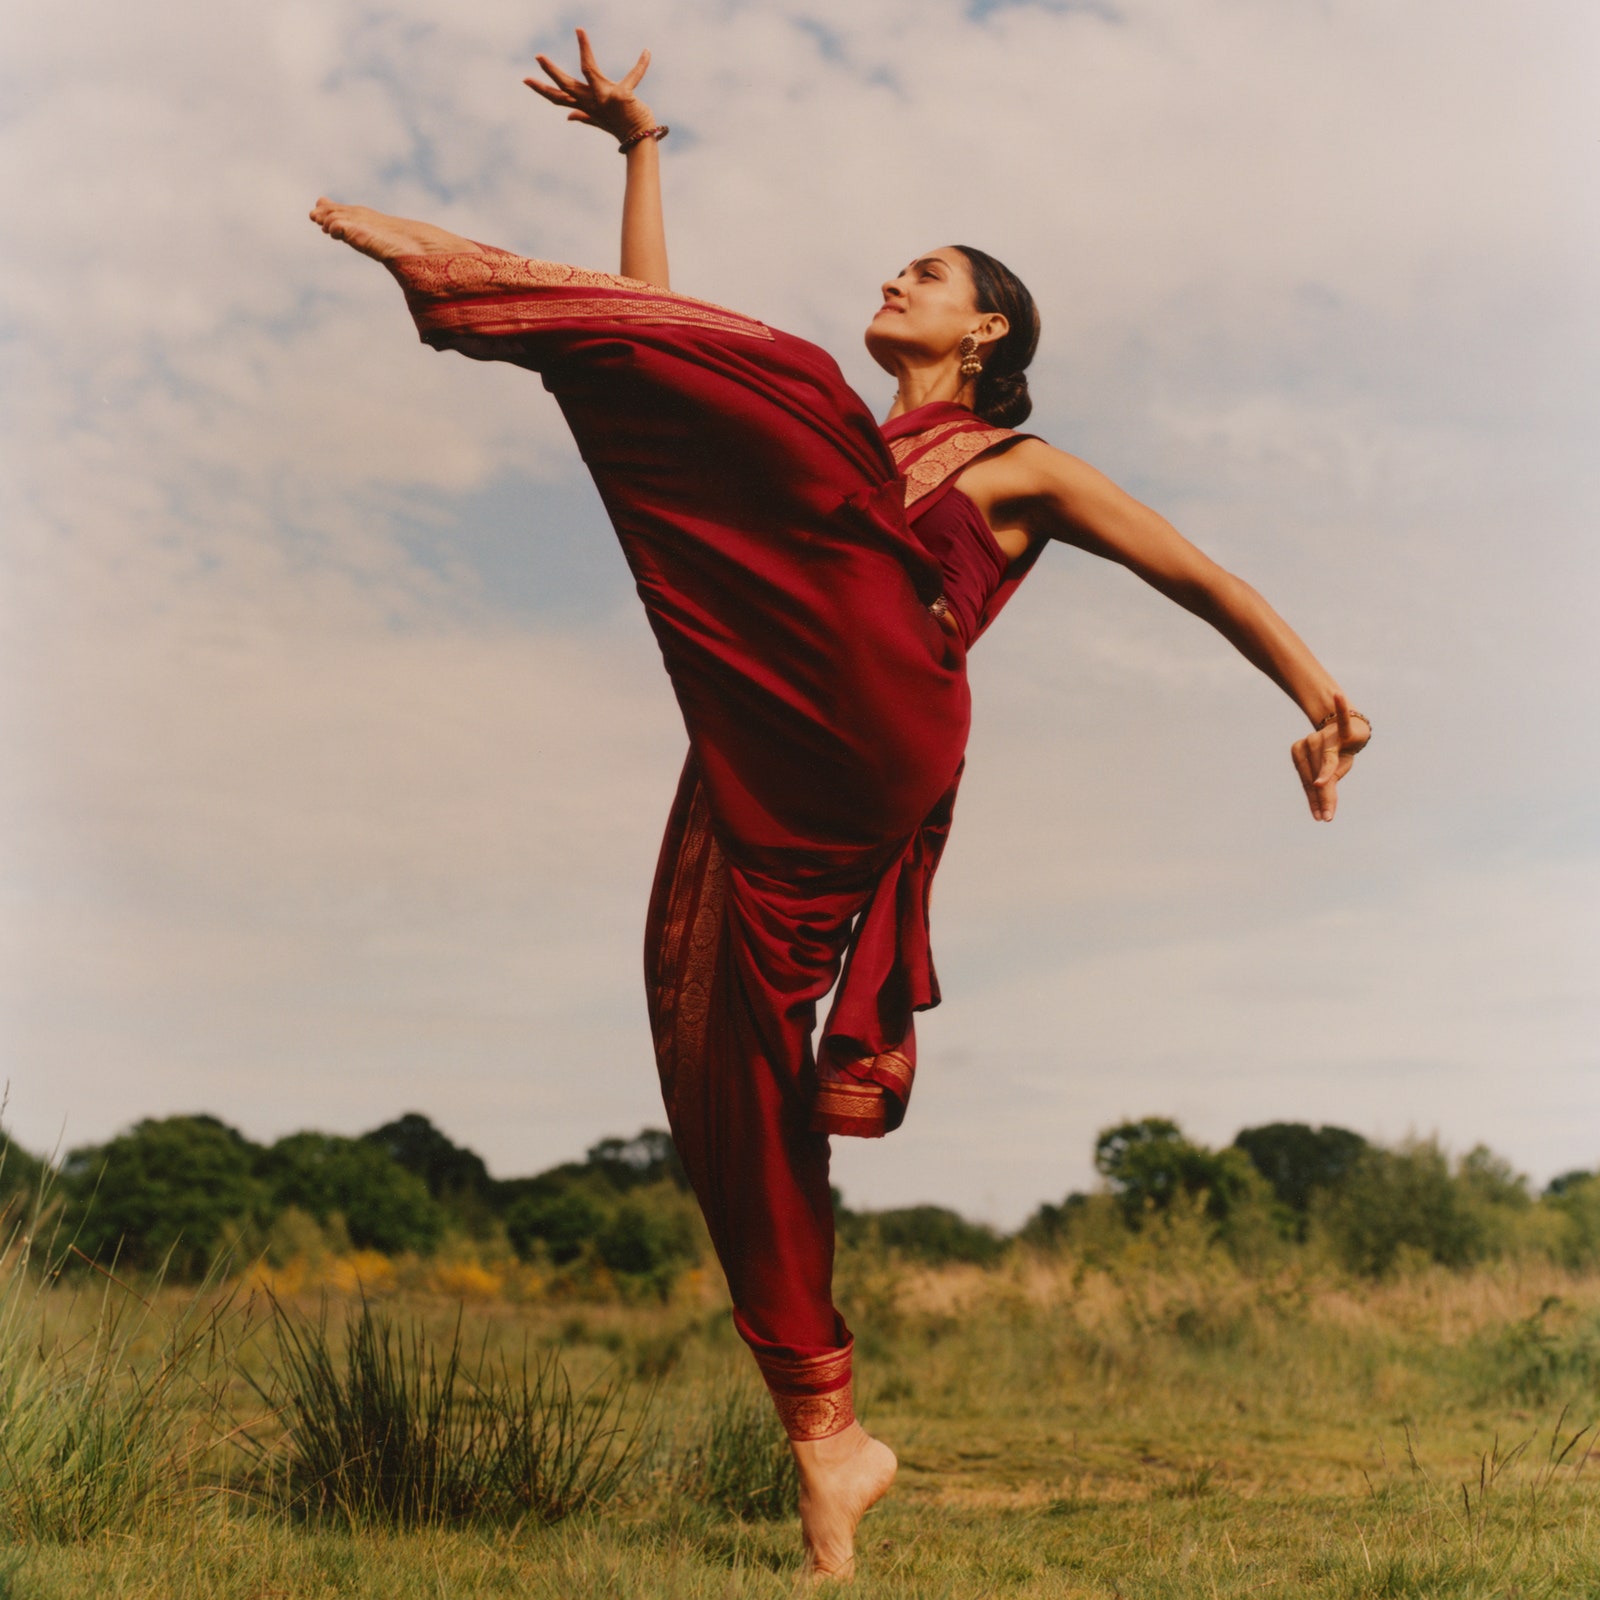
(1003, 389)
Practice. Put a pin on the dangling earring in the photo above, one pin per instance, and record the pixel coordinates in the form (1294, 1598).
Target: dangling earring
(971, 366)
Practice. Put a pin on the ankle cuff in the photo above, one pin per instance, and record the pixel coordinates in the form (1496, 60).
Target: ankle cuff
(812, 1394)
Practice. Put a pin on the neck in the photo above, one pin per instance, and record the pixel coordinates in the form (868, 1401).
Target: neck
(921, 386)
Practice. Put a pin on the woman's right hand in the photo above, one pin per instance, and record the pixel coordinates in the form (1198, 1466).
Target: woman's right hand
(1325, 755)
(596, 99)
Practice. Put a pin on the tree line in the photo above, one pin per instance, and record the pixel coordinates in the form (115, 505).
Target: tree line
(179, 1193)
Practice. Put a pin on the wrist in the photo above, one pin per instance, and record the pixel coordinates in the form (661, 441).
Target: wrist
(1351, 712)
(642, 133)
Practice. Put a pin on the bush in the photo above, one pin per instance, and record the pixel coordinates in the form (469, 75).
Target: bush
(930, 1234)
(23, 1178)
(1404, 1200)
(649, 1242)
(383, 1206)
(1574, 1199)
(1149, 1164)
(165, 1192)
(455, 1176)
(390, 1431)
(1300, 1161)
(562, 1224)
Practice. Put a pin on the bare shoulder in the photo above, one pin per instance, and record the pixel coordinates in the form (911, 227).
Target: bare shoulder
(1027, 470)
(1035, 484)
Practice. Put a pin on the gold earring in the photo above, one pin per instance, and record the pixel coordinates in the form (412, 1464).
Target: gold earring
(971, 366)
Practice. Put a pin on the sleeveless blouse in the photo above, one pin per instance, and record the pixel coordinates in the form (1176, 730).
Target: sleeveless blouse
(932, 446)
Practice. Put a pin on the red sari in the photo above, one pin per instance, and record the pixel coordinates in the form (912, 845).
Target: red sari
(774, 543)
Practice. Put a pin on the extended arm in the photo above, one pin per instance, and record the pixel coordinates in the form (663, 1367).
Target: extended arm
(1053, 493)
(615, 108)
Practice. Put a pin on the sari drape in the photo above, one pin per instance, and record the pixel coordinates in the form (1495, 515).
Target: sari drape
(765, 520)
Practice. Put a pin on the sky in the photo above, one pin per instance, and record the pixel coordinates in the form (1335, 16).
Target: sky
(334, 751)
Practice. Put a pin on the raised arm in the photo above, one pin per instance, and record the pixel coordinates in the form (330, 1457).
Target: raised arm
(616, 109)
(1050, 493)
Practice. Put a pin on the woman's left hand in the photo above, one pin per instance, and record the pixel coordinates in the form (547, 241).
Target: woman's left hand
(1325, 755)
(595, 99)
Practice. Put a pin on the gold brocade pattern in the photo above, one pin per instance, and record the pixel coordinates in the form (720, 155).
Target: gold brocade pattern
(952, 448)
(513, 316)
(687, 954)
(444, 279)
(856, 1108)
(813, 1394)
(894, 1065)
(815, 1416)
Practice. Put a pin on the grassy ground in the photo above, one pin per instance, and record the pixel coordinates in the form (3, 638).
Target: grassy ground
(1166, 1428)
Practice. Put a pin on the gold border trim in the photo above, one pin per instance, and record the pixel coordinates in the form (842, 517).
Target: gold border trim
(449, 279)
(815, 1416)
(939, 453)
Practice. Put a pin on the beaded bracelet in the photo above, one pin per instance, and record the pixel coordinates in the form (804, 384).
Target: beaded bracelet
(1333, 716)
(657, 133)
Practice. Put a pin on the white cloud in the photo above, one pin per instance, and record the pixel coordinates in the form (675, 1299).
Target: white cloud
(315, 825)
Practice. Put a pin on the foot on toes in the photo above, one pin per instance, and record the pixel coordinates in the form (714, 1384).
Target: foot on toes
(841, 1479)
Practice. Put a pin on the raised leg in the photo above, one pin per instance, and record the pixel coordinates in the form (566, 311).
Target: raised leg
(385, 238)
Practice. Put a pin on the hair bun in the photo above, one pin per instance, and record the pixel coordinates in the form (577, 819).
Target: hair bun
(1003, 398)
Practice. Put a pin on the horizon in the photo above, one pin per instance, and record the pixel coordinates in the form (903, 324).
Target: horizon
(337, 752)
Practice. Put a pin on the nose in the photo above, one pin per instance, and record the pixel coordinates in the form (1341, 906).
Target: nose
(892, 289)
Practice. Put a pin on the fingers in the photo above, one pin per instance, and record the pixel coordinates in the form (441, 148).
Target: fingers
(1320, 765)
(636, 72)
(1341, 711)
(1327, 781)
(556, 97)
(1301, 754)
(586, 60)
(563, 80)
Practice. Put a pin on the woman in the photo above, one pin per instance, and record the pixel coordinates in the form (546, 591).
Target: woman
(814, 583)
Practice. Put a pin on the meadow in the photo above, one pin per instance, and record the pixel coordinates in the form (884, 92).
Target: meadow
(1161, 1420)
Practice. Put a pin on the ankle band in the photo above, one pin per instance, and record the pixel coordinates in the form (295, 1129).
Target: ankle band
(812, 1394)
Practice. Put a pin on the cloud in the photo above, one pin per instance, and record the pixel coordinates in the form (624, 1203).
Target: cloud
(336, 758)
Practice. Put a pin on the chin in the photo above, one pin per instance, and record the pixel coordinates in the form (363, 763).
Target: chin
(876, 340)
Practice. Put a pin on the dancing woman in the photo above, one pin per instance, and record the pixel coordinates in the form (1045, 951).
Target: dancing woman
(814, 583)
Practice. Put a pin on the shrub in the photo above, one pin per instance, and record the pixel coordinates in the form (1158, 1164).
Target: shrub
(455, 1176)
(162, 1194)
(930, 1234)
(563, 1224)
(649, 1242)
(383, 1206)
(386, 1429)
(1149, 1164)
(1572, 1206)
(1300, 1161)
(1396, 1201)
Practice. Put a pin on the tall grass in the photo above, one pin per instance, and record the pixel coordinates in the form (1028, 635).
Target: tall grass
(385, 1428)
(101, 1427)
(741, 1463)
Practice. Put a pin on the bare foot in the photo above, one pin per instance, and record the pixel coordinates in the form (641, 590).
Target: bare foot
(841, 1479)
(383, 238)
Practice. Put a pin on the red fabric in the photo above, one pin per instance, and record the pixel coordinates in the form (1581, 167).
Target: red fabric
(764, 519)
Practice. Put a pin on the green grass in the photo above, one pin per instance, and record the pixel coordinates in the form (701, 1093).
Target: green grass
(104, 1404)
(385, 1426)
(1173, 1427)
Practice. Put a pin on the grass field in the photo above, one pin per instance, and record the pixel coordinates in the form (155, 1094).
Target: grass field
(1166, 1426)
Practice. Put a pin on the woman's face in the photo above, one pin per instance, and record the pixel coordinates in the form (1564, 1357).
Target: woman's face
(927, 309)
